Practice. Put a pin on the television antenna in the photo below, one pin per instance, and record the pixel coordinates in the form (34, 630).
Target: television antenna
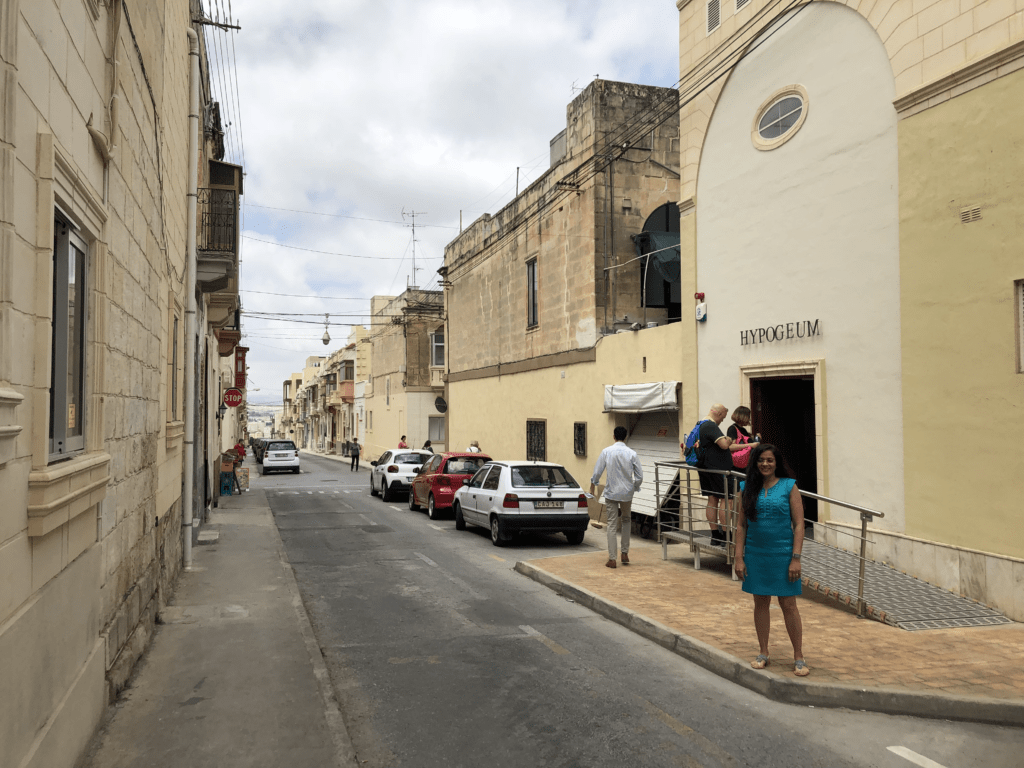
(412, 215)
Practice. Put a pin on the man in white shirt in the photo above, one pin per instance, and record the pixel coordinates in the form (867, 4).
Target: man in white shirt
(624, 478)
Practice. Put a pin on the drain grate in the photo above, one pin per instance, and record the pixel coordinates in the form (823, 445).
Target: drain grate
(891, 596)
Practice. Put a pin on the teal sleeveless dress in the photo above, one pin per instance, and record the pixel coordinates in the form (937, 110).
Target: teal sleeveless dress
(769, 544)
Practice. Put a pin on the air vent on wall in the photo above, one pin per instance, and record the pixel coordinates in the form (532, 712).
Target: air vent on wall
(714, 15)
(741, 3)
(968, 215)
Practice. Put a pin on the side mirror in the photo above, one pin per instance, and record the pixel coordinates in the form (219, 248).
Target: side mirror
(418, 470)
(465, 481)
(373, 463)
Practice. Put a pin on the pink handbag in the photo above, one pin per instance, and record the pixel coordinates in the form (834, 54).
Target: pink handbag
(740, 459)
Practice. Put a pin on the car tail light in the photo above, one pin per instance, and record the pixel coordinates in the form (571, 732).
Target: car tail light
(583, 501)
(392, 468)
(511, 501)
(296, 454)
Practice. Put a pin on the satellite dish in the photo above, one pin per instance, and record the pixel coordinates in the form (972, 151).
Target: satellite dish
(440, 405)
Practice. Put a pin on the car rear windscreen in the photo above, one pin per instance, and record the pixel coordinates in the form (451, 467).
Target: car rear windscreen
(409, 458)
(289, 446)
(531, 476)
(464, 466)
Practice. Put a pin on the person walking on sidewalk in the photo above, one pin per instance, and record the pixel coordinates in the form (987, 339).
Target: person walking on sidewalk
(624, 478)
(769, 540)
(353, 451)
(402, 443)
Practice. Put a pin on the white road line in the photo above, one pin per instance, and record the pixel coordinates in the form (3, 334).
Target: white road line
(435, 527)
(529, 630)
(426, 559)
(368, 520)
(397, 509)
(915, 758)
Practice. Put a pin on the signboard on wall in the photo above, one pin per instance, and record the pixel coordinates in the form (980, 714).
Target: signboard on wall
(802, 329)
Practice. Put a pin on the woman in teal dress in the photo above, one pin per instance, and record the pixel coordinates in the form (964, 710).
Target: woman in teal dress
(769, 539)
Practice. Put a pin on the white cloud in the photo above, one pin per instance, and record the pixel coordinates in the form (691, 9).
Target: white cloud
(367, 108)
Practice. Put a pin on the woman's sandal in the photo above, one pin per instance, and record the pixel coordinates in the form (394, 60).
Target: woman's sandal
(800, 668)
(761, 661)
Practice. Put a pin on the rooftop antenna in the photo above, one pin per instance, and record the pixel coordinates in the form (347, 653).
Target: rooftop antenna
(412, 215)
(576, 88)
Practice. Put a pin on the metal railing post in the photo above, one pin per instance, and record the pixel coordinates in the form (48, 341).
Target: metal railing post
(864, 517)
(657, 500)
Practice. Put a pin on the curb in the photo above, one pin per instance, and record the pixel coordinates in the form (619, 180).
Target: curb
(885, 700)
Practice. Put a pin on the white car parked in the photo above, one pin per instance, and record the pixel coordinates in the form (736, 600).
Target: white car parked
(509, 497)
(280, 455)
(393, 472)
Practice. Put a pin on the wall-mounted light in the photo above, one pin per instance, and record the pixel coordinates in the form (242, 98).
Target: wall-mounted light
(221, 411)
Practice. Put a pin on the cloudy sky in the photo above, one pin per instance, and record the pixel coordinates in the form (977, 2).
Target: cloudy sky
(346, 113)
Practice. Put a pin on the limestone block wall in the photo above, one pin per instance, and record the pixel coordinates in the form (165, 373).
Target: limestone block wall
(90, 543)
(573, 223)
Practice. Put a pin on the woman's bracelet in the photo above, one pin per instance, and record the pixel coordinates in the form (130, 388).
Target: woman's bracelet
(796, 555)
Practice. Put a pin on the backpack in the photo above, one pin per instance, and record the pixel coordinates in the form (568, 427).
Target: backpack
(692, 443)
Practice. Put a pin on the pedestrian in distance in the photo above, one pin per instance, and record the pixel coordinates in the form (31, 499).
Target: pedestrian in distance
(474, 447)
(769, 541)
(625, 476)
(402, 443)
(426, 447)
(353, 451)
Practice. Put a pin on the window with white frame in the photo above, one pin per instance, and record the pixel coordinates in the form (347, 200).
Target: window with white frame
(435, 429)
(714, 15)
(174, 370)
(437, 349)
(68, 346)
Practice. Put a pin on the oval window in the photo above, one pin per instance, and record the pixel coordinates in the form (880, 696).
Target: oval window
(779, 117)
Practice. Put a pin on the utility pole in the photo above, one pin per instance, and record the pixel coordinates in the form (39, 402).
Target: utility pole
(412, 215)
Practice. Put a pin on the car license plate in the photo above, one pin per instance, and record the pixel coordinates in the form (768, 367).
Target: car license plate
(547, 505)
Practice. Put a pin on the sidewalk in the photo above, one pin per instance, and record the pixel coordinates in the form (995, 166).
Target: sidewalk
(234, 676)
(962, 674)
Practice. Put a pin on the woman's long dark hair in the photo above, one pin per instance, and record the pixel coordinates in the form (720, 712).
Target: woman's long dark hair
(755, 481)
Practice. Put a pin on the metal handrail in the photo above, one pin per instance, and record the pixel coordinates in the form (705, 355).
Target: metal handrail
(866, 515)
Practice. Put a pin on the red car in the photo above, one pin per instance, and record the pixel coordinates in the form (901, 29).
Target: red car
(435, 485)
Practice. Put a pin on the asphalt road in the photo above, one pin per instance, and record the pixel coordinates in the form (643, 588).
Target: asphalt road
(442, 655)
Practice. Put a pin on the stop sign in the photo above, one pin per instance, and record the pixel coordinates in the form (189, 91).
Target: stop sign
(232, 397)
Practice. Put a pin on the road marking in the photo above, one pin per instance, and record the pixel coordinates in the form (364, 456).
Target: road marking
(544, 639)
(368, 520)
(411, 659)
(705, 745)
(426, 559)
(435, 527)
(499, 559)
(916, 759)
(397, 509)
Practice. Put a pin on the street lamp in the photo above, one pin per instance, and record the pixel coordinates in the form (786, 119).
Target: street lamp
(221, 411)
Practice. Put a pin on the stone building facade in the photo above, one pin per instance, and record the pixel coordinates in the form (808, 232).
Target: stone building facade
(406, 372)
(857, 167)
(573, 286)
(93, 211)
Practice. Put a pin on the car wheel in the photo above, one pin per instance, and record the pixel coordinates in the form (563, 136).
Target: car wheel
(432, 512)
(413, 506)
(373, 488)
(574, 537)
(497, 537)
(385, 491)
(460, 521)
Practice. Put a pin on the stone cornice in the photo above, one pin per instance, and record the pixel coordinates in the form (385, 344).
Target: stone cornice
(966, 78)
(60, 493)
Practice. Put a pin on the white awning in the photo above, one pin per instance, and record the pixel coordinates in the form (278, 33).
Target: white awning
(641, 398)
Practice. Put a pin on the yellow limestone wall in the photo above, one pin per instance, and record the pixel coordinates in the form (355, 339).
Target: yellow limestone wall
(495, 410)
(963, 401)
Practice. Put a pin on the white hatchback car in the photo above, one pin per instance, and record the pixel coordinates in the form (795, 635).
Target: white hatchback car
(393, 472)
(510, 497)
(280, 455)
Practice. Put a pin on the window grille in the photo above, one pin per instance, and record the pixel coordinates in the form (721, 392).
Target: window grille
(536, 440)
(741, 4)
(714, 15)
(579, 438)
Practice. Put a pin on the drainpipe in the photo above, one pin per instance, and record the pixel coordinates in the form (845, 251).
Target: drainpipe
(190, 299)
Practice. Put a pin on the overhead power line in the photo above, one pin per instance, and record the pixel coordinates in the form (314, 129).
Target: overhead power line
(330, 253)
(344, 216)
